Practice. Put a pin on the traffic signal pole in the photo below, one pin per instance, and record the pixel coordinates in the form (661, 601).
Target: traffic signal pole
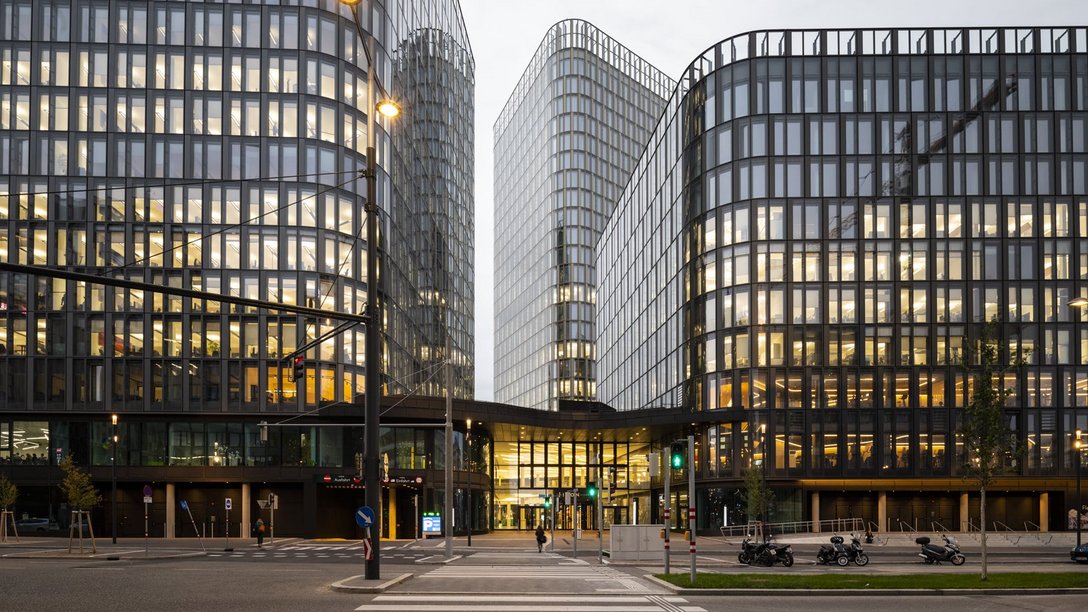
(691, 503)
(668, 505)
(600, 513)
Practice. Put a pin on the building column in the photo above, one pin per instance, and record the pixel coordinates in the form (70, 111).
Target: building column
(392, 513)
(814, 510)
(170, 511)
(882, 511)
(965, 512)
(1044, 511)
(247, 501)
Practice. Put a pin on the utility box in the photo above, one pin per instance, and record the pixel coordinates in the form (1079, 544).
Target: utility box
(636, 542)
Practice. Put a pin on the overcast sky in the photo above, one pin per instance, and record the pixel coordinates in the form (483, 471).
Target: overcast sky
(505, 33)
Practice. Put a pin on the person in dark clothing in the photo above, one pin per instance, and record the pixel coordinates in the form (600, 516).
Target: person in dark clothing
(259, 528)
(540, 538)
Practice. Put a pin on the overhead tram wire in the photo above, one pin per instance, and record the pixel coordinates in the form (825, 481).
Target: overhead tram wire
(231, 226)
(162, 184)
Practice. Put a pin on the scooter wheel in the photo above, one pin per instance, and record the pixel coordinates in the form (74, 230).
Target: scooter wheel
(743, 558)
(842, 560)
(928, 561)
(862, 559)
(958, 559)
(787, 560)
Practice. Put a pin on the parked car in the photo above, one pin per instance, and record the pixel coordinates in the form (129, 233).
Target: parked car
(38, 525)
(1079, 553)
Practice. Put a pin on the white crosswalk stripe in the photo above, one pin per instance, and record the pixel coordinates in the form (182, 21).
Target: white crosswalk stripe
(603, 578)
(394, 602)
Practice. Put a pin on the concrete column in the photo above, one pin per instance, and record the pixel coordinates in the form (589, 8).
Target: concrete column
(1044, 511)
(246, 527)
(965, 512)
(882, 511)
(814, 510)
(171, 505)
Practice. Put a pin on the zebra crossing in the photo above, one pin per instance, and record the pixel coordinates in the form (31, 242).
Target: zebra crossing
(346, 550)
(422, 602)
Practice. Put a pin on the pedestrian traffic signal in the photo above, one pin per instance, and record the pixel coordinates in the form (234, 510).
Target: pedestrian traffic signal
(678, 454)
(547, 502)
(298, 368)
(591, 490)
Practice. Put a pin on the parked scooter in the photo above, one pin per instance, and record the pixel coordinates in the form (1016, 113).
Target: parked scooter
(833, 553)
(856, 552)
(932, 553)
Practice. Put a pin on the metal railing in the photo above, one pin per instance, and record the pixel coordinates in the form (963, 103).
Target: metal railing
(755, 528)
(1004, 530)
(909, 528)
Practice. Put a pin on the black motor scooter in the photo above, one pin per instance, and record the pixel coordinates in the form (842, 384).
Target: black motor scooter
(934, 554)
(856, 552)
(833, 553)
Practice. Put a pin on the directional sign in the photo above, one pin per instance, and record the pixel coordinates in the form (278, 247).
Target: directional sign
(364, 517)
(368, 550)
(184, 506)
(147, 499)
(226, 504)
(147, 490)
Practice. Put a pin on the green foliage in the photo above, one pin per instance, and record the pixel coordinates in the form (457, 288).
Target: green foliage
(8, 493)
(758, 497)
(77, 487)
(987, 439)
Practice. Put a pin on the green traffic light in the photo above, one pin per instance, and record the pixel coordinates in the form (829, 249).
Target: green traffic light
(548, 503)
(677, 461)
(591, 490)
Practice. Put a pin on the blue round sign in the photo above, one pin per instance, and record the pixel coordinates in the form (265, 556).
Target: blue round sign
(364, 517)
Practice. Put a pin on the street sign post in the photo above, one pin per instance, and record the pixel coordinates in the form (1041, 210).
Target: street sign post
(185, 507)
(226, 526)
(147, 500)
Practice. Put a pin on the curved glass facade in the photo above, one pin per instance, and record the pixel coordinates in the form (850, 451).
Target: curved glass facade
(820, 223)
(564, 147)
(218, 147)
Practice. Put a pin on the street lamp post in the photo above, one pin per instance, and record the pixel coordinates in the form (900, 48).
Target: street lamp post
(113, 479)
(373, 320)
(1080, 502)
(1080, 304)
(763, 479)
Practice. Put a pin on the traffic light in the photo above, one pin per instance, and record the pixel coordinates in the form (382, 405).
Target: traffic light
(298, 368)
(611, 480)
(591, 490)
(678, 455)
(547, 502)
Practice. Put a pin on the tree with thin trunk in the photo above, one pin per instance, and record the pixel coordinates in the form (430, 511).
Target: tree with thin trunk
(77, 486)
(8, 493)
(988, 441)
(757, 496)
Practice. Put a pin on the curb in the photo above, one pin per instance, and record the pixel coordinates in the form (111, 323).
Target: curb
(677, 590)
(341, 587)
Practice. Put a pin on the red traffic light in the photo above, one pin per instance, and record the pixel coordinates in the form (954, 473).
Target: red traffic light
(298, 368)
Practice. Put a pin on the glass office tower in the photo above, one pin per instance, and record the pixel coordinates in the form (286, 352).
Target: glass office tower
(219, 147)
(820, 224)
(564, 147)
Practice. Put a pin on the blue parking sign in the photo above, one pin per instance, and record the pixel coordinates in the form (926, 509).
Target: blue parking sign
(184, 506)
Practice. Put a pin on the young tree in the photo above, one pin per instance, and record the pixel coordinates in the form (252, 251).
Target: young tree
(77, 487)
(987, 439)
(757, 496)
(8, 493)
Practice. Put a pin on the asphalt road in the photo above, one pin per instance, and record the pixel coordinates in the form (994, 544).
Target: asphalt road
(497, 574)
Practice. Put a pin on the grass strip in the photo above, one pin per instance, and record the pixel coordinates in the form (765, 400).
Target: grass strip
(1011, 580)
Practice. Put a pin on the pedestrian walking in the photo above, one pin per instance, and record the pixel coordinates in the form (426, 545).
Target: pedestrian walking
(540, 538)
(259, 528)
